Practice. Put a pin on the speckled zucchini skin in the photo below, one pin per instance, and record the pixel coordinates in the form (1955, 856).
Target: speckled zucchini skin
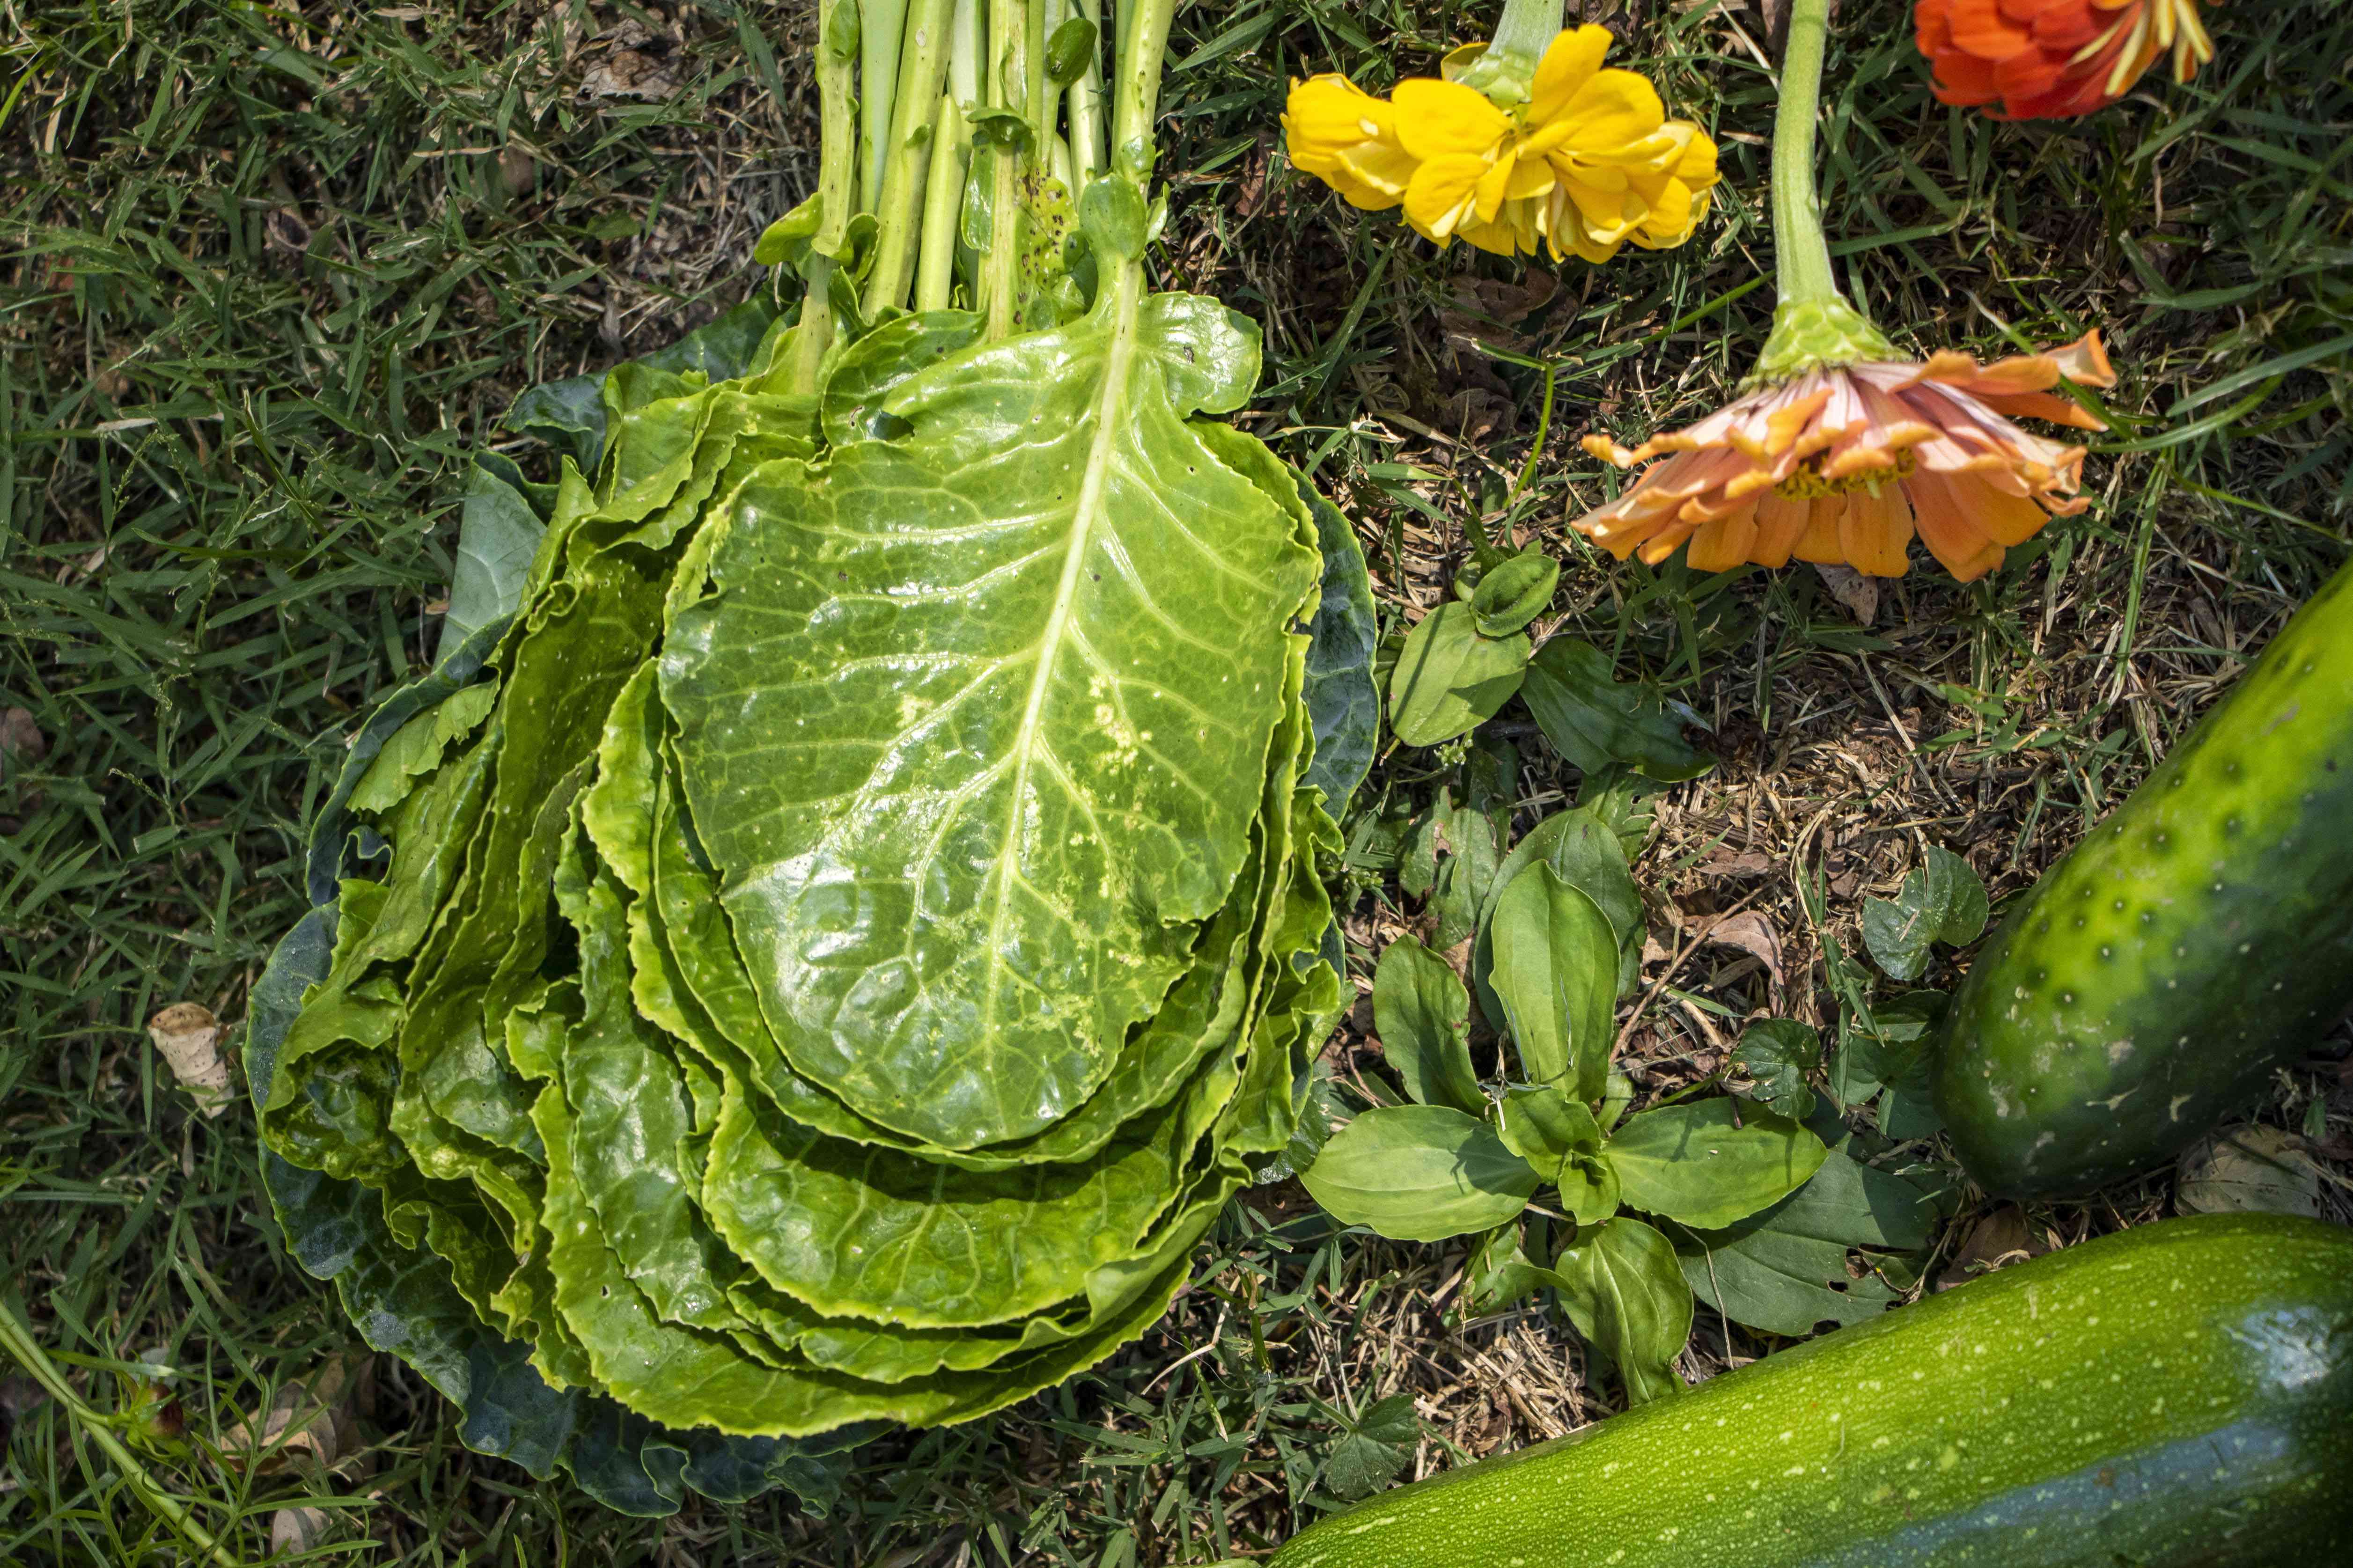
(2177, 1393)
(2194, 941)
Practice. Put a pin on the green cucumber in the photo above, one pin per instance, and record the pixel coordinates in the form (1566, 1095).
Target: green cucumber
(2176, 1393)
(2198, 938)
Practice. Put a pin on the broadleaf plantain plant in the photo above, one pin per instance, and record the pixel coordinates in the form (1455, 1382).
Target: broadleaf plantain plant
(842, 916)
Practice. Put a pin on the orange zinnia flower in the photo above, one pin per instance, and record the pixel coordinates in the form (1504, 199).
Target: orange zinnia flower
(1844, 463)
(2050, 60)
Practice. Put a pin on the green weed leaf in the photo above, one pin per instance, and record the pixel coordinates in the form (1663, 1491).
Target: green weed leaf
(1942, 900)
(1622, 1287)
(1779, 1054)
(1593, 721)
(1585, 853)
(1514, 592)
(1450, 679)
(1708, 1163)
(1560, 1138)
(1785, 1270)
(1423, 1015)
(1556, 972)
(1421, 1173)
(1499, 1274)
(1376, 1446)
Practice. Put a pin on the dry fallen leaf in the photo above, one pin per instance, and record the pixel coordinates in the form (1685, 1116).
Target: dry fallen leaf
(518, 171)
(296, 1529)
(1751, 933)
(313, 1416)
(636, 66)
(189, 1036)
(284, 229)
(1850, 587)
(2254, 1169)
(1737, 863)
(21, 745)
(1998, 1239)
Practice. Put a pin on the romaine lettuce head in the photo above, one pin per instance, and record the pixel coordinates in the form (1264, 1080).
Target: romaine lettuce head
(842, 917)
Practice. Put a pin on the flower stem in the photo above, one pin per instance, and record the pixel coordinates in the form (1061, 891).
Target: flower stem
(1813, 324)
(1801, 254)
(1507, 67)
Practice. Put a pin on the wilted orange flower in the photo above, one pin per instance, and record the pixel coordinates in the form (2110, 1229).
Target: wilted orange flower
(1843, 463)
(2050, 60)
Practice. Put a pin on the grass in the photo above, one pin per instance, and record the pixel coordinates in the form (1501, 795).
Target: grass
(269, 271)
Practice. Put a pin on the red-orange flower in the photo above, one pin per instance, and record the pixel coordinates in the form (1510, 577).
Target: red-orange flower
(1844, 464)
(2050, 60)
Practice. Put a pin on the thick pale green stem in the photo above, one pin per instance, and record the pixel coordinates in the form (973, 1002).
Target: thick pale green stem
(1813, 324)
(1000, 265)
(1086, 112)
(968, 47)
(880, 23)
(922, 68)
(1143, 43)
(942, 203)
(837, 189)
(813, 333)
(1006, 83)
(837, 93)
(1035, 101)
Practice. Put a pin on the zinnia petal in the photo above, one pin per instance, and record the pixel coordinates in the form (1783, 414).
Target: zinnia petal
(1439, 119)
(1443, 194)
(1614, 110)
(1571, 60)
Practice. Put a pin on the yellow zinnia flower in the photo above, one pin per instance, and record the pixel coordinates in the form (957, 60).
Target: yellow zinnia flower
(1589, 160)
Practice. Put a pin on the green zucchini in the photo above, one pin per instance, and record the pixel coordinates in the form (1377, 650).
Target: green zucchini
(2180, 1393)
(2198, 938)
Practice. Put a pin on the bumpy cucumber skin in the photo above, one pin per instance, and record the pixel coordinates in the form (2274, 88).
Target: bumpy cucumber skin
(2177, 1393)
(2194, 941)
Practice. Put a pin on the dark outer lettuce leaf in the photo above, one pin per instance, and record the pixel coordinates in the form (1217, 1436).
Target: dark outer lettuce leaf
(570, 415)
(504, 514)
(1341, 696)
(332, 827)
(460, 1110)
(498, 533)
(1079, 638)
(403, 1301)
